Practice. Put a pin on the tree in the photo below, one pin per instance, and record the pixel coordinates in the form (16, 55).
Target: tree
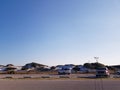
(88, 65)
(52, 68)
(93, 65)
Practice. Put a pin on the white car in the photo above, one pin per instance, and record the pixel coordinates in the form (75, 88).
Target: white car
(65, 71)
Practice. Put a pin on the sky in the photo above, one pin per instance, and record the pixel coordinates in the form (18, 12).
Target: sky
(55, 32)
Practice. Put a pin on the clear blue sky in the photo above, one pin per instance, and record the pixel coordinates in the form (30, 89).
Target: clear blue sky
(56, 32)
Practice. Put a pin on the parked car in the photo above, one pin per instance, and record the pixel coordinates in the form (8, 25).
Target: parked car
(102, 72)
(118, 72)
(65, 71)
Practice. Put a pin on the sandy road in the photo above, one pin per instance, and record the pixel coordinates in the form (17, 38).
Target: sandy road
(90, 84)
